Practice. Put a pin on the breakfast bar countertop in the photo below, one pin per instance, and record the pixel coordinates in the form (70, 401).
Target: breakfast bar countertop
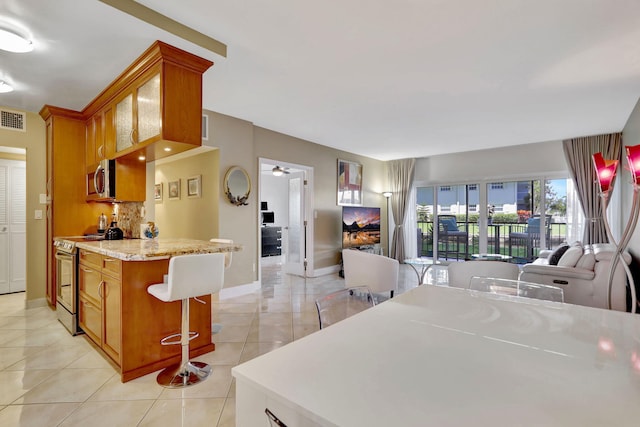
(153, 249)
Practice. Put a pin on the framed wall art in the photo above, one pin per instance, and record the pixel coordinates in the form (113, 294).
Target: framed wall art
(349, 183)
(174, 189)
(157, 195)
(194, 186)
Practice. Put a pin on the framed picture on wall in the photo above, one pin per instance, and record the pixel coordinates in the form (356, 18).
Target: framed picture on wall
(349, 183)
(194, 186)
(174, 190)
(157, 195)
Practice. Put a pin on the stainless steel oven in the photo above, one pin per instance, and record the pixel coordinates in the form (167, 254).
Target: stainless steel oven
(67, 284)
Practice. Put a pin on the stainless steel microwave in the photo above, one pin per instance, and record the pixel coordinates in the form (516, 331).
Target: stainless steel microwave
(101, 183)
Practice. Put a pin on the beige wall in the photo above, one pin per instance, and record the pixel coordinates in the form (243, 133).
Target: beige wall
(241, 143)
(630, 136)
(324, 160)
(189, 217)
(543, 158)
(234, 138)
(34, 141)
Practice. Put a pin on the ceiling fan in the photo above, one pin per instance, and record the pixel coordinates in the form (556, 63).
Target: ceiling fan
(279, 171)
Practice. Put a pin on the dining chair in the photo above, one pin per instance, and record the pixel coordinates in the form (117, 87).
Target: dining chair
(344, 303)
(516, 288)
(460, 273)
(377, 272)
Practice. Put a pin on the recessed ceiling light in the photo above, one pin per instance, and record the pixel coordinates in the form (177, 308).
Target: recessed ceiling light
(141, 158)
(167, 149)
(5, 87)
(13, 42)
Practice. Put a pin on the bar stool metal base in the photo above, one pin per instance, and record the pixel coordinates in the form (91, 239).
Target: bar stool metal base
(177, 376)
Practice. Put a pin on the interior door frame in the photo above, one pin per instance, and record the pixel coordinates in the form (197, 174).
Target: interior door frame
(307, 236)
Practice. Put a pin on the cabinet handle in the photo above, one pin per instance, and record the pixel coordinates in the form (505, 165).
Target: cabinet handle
(86, 270)
(132, 136)
(109, 260)
(101, 152)
(100, 285)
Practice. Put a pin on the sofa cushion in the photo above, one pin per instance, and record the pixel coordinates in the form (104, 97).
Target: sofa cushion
(557, 254)
(571, 257)
(588, 259)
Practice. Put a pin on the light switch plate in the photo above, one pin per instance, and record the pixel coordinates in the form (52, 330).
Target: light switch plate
(43, 199)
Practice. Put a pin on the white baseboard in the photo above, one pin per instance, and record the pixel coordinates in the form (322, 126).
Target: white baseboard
(236, 291)
(324, 271)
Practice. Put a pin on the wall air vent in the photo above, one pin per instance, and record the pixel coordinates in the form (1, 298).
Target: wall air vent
(205, 127)
(13, 120)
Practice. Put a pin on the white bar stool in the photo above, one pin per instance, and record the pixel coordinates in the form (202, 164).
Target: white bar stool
(189, 276)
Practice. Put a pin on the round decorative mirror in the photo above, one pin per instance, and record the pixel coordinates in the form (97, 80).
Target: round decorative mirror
(237, 186)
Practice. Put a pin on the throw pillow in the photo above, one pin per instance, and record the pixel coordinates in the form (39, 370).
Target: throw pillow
(571, 257)
(557, 253)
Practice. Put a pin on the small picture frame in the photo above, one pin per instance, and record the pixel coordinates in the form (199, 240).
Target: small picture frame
(174, 189)
(194, 186)
(349, 183)
(157, 195)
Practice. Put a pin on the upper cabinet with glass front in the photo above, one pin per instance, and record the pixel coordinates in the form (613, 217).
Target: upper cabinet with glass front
(155, 107)
(137, 115)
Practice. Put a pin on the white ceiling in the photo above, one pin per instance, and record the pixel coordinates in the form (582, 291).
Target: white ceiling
(408, 78)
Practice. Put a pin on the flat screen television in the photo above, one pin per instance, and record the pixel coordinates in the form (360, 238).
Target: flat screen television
(360, 226)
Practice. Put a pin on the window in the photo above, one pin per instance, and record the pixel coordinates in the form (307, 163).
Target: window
(445, 188)
(473, 187)
(445, 209)
(497, 185)
(498, 208)
(473, 208)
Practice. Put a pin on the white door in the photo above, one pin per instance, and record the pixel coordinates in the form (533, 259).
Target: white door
(13, 236)
(294, 234)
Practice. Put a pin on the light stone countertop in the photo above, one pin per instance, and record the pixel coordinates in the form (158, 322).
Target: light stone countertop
(153, 249)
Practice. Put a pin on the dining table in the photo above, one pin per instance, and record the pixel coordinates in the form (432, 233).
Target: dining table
(440, 356)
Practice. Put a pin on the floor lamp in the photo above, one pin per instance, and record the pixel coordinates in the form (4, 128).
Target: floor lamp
(387, 195)
(606, 172)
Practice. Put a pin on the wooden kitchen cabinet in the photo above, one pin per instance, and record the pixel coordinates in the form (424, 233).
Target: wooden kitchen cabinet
(137, 116)
(67, 214)
(156, 105)
(95, 148)
(100, 291)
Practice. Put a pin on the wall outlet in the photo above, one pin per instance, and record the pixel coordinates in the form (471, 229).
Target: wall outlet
(38, 214)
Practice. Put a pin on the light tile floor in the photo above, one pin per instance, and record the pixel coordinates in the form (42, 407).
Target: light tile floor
(50, 378)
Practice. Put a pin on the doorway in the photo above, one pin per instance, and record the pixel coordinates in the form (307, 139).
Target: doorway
(13, 221)
(285, 191)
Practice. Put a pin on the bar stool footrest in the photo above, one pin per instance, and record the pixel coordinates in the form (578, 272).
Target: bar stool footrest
(165, 340)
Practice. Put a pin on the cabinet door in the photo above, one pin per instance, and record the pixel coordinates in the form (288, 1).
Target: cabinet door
(89, 283)
(99, 148)
(90, 319)
(90, 145)
(111, 338)
(148, 100)
(124, 123)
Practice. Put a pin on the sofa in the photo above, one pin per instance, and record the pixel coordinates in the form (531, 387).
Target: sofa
(583, 273)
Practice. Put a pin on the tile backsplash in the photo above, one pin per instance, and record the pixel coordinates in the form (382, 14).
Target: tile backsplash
(130, 216)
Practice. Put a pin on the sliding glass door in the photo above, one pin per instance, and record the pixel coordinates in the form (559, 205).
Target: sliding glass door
(512, 218)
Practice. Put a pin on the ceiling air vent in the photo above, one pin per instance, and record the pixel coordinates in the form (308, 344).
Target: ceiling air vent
(13, 120)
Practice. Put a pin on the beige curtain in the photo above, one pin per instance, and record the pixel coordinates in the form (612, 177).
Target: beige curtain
(578, 153)
(401, 173)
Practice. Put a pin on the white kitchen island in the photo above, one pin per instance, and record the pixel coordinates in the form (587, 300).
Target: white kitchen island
(438, 356)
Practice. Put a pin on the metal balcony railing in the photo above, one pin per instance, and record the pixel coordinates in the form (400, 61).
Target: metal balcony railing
(502, 238)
